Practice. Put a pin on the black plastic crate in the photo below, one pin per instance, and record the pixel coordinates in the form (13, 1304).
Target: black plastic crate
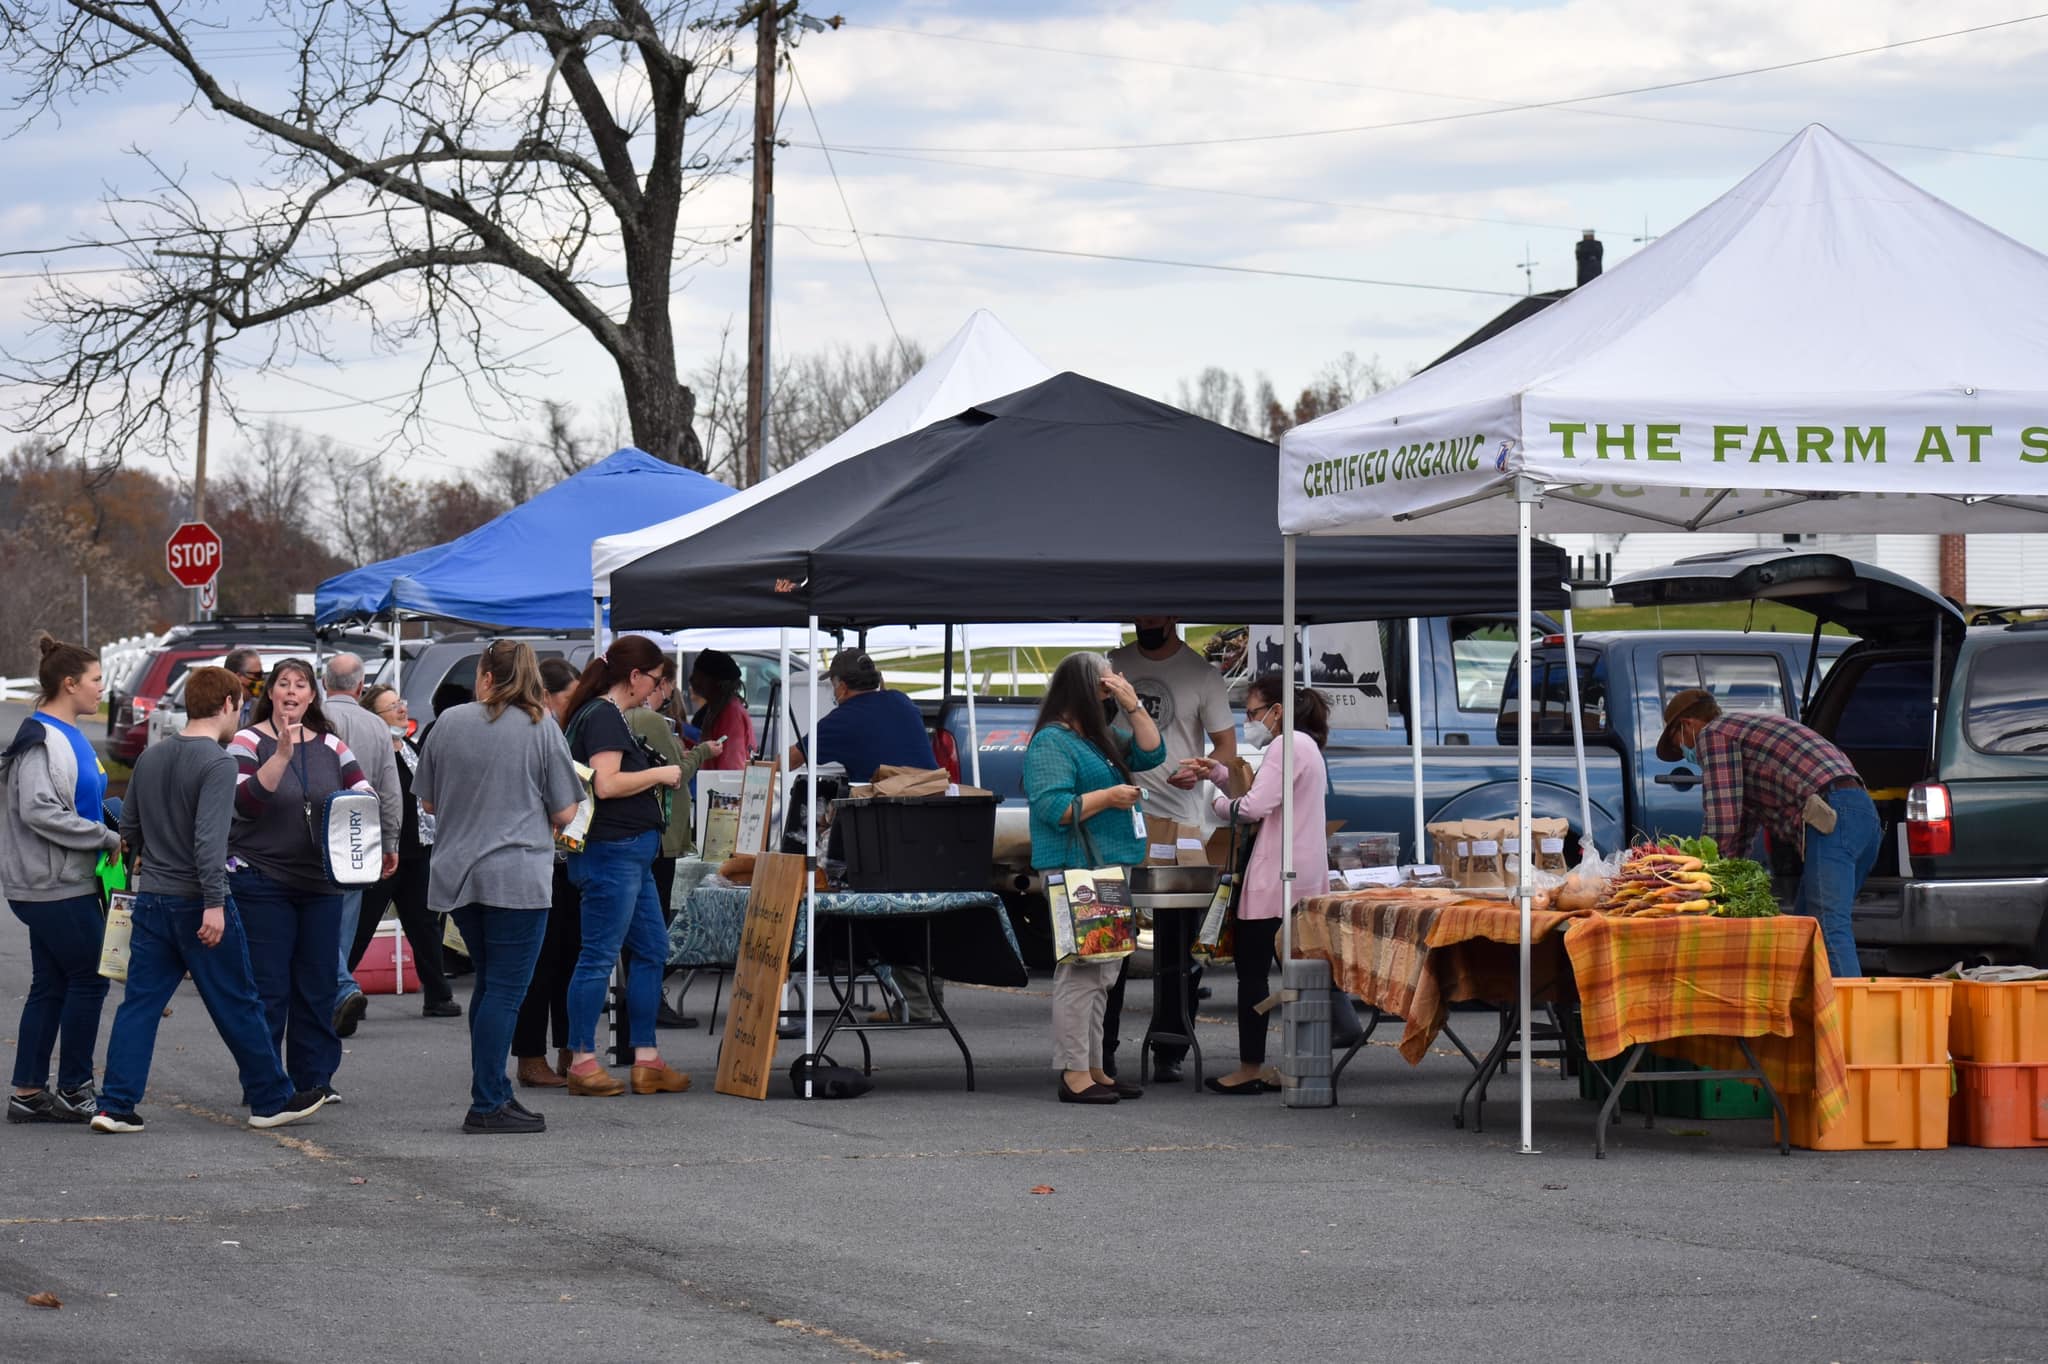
(917, 842)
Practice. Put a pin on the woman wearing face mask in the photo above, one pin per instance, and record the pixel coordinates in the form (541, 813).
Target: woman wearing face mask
(1079, 767)
(615, 870)
(407, 887)
(287, 762)
(1260, 894)
(52, 834)
(722, 711)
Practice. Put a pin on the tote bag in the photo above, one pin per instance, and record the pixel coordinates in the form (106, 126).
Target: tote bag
(1091, 908)
(348, 831)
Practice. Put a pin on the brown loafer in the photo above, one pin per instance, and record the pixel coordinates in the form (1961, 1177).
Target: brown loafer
(536, 1073)
(599, 1083)
(660, 1079)
(562, 1058)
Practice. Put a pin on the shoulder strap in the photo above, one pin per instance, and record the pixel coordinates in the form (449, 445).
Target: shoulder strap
(1081, 828)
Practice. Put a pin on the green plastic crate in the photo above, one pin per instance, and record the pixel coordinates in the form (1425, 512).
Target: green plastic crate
(1702, 1099)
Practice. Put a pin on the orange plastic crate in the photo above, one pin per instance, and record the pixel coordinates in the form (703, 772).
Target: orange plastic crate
(1888, 1021)
(1891, 1108)
(1999, 1105)
(2002, 1022)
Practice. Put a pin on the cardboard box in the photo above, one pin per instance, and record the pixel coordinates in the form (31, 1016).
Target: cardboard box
(1168, 844)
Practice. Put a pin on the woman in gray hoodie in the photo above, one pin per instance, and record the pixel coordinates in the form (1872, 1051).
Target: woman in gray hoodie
(54, 832)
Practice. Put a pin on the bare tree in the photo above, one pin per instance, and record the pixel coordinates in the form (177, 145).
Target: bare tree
(816, 396)
(427, 174)
(277, 477)
(1218, 395)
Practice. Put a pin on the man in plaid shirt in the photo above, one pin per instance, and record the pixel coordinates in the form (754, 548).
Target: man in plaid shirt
(1764, 771)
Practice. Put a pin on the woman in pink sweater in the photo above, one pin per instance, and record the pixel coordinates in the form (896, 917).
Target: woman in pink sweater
(1259, 898)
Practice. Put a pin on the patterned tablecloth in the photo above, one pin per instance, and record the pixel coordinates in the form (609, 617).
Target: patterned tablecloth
(1688, 984)
(972, 941)
(1412, 957)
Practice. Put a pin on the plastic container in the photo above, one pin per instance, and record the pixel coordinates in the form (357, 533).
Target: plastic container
(375, 975)
(1703, 1099)
(918, 842)
(1999, 1105)
(1999, 1022)
(1891, 1108)
(1359, 850)
(1888, 1021)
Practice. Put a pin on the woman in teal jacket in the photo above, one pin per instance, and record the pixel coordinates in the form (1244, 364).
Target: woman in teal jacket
(1077, 756)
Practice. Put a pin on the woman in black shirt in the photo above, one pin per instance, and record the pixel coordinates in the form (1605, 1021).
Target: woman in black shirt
(615, 870)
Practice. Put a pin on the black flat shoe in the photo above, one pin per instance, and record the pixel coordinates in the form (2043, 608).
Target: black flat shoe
(1214, 1084)
(1094, 1094)
(440, 1008)
(1123, 1089)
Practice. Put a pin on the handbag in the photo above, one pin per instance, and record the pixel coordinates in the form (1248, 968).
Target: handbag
(1216, 942)
(115, 937)
(829, 1080)
(1091, 907)
(350, 835)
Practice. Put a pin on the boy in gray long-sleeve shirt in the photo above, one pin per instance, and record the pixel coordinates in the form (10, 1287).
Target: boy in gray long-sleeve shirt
(180, 802)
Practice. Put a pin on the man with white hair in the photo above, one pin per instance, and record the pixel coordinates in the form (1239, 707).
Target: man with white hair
(370, 740)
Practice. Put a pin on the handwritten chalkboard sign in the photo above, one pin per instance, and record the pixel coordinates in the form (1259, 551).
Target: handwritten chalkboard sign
(746, 1058)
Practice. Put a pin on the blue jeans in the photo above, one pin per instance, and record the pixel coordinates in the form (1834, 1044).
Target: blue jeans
(1836, 865)
(503, 946)
(65, 990)
(294, 940)
(164, 947)
(351, 911)
(621, 911)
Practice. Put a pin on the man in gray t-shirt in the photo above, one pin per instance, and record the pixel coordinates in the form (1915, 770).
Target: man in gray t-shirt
(494, 788)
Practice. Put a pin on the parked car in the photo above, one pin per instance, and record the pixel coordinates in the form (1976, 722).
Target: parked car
(167, 717)
(1953, 743)
(129, 705)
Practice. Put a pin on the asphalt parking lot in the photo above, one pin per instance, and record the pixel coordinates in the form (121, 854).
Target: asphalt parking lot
(903, 1225)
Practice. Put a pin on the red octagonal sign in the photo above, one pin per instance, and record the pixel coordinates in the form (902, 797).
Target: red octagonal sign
(193, 554)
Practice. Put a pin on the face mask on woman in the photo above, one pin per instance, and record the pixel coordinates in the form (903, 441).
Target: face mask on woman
(397, 731)
(1256, 735)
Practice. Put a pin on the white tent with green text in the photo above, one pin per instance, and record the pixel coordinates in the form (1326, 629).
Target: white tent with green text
(1825, 347)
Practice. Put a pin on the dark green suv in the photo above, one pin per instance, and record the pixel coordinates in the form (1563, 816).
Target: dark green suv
(1959, 774)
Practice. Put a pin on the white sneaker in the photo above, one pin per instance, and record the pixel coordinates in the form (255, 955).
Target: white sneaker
(303, 1104)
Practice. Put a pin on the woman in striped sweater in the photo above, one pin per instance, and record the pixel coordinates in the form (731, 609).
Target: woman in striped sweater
(287, 762)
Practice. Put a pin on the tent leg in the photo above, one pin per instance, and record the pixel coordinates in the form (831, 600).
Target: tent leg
(782, 726)
(596, 626)
(1415, 736)
(1525, 497)
(397, 652)
(811, 851)
(1571, 682)
(1287, 752)
(973, 730)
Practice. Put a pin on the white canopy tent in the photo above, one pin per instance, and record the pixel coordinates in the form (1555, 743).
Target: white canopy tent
(1825, 347)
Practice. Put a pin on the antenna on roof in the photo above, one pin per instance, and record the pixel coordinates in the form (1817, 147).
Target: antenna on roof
(1528, 269)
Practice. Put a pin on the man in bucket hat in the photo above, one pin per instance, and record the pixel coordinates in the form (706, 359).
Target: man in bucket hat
(1764, 771)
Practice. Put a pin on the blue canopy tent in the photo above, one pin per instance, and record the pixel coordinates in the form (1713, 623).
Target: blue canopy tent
(529, 568)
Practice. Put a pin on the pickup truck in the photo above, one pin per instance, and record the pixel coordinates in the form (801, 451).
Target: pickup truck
(1469, 712)
(1946, 720)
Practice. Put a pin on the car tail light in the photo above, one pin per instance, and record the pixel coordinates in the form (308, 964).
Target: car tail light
(1930, 822)
(947, 750)
(1552, 641)
(141, 706)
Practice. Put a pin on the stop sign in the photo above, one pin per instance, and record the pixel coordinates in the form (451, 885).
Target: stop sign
(193, 554)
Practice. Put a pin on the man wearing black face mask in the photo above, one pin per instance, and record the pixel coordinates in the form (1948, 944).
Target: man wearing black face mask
(1187, 698)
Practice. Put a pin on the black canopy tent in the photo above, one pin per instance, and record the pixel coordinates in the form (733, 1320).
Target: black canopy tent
(1069, 500)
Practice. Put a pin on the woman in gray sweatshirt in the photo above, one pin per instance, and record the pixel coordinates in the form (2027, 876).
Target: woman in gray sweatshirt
(54, 832)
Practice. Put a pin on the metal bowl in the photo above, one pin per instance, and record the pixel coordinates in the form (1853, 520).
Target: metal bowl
(1174, 880)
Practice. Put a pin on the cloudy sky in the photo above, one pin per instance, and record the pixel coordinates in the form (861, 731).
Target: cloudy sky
(1195, 133)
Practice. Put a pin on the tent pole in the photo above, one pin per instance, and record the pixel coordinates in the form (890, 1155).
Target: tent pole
(397, 652)
(1307, 669)
(1525, 497)
(973, 730)
(596, 626)
(1286, 754)
(782, 738)
(1415, 736)
(811, 851)
(1571, 682)
(946, 689)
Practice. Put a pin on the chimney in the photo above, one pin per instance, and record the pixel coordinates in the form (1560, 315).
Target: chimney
(1589, 251)
(1955, 568)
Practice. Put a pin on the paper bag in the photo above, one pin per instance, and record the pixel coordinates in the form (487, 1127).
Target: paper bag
(910, 781)
(1091, 914)
(115, 937)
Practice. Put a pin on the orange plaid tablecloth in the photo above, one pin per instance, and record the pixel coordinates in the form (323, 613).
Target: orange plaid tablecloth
(1413, 958)
(1692, 984)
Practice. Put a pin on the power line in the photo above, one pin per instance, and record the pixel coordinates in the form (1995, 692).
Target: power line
(1497, 106)
(1423, 120)
(854, 227)
(1192, 265)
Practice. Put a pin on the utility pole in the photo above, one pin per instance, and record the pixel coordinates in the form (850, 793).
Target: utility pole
(214, 258)
(760, 265)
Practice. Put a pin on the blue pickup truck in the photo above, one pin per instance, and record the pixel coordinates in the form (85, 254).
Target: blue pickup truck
(1468, 725)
